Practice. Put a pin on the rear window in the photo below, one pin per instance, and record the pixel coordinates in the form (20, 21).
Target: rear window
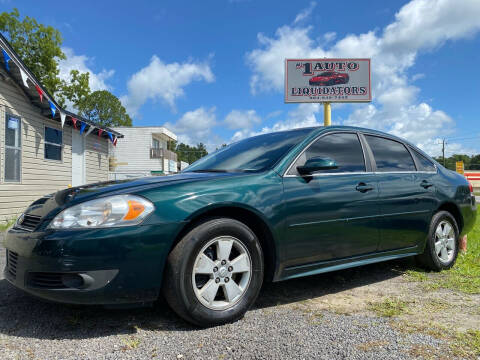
(423, 162)
(390, 155)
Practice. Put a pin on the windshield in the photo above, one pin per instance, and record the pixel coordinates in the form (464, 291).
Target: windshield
(254, 154)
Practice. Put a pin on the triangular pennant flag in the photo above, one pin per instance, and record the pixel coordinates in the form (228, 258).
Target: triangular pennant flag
(115, 141)
(62, 118)
(90, 129)
(82, 127)
(6, 57)
(100, 131)
(52, 108)
(40, 92)
(74, 122)
(24, 78)
(110, 136)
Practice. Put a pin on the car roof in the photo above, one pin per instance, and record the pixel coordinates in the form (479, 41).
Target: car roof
(318, 129)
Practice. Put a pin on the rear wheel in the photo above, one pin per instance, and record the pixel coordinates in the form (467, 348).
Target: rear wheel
(215, 272)
(441, 249)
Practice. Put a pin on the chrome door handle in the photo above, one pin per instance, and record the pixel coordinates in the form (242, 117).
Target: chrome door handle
(425, 184)
(363, 188)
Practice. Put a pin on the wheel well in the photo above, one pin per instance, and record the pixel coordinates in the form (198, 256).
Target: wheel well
(453, 209)
(249, 218)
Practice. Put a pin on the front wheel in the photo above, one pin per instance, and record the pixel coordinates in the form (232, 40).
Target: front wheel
(441, 249)
(214, 274)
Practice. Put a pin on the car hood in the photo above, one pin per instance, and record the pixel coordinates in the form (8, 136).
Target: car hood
(64, 198)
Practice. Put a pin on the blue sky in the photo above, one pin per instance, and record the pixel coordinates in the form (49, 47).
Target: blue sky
(212, 71)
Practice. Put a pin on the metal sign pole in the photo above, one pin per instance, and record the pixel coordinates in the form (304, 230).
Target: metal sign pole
(327, 114)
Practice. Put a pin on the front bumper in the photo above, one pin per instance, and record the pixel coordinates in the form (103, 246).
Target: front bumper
(118, 265)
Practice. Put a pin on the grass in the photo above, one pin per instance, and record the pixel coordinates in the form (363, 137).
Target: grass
(467, 343)
(389, 307)
(463, 277)
(6, 225)
(130, 343)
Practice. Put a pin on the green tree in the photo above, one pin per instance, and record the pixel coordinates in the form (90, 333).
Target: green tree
(76, 91)
(104, 108)
(188, 153)
(475, 162)
(38, 46)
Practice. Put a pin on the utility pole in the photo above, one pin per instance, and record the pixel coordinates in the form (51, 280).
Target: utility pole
(443, 151)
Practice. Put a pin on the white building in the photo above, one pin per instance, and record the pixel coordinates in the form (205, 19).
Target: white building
(39, 153)
(143, 152)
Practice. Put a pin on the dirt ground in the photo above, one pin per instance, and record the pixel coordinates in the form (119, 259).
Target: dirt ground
(368, 312)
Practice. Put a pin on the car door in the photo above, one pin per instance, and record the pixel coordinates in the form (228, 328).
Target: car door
(425, 181)
(405, 215)
(331, 214)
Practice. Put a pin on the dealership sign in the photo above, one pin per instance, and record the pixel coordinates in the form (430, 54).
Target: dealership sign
(327, 80)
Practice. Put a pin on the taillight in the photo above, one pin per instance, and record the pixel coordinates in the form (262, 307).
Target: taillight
(470, 186)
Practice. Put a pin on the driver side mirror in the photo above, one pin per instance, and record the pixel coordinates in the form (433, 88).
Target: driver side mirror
(317, 164)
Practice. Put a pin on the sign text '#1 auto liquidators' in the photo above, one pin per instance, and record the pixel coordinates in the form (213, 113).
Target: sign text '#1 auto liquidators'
(327, 80)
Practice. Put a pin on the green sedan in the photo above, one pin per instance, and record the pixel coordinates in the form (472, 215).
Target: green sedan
(268, 208)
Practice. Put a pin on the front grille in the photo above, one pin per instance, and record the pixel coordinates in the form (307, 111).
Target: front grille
(29, 222)
(45, 280)
(12, 259)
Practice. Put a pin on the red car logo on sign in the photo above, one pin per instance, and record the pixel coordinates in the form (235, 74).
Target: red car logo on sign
(329, 78)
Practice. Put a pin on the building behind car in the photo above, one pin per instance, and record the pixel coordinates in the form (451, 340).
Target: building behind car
(38, 155)
(143, 152)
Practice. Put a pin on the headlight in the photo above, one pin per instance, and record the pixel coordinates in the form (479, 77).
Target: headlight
(118, 210)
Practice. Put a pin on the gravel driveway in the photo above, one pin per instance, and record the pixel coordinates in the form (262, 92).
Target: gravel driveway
(281, 326)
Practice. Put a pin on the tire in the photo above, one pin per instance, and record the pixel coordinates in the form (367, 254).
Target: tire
(186, 273)
(444, 255)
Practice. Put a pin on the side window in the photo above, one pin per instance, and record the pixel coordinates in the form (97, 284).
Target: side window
(53, 144)
(13, 148)
(423, 162)
(344, 148)
(390, 155)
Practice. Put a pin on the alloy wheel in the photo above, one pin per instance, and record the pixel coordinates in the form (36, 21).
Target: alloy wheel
(221, 272)
(445, 241)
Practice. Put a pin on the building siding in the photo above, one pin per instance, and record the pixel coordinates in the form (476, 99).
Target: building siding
(134, 149)
(40, 176)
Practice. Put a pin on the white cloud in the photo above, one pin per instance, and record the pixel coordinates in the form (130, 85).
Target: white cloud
(196, 126)
(329, 36)
(302, 116)
(420, 25)
(165, 82)
(305, 13)
(418, 76)
(242, 119)
(82, 63)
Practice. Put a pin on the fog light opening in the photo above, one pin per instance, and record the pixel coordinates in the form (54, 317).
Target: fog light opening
(77, 281)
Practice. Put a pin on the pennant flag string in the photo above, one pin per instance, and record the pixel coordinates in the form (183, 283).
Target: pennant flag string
(90, 129)
(6, 58)
(40, 92)
(53, 109)
(62, 118)
(24, 78)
